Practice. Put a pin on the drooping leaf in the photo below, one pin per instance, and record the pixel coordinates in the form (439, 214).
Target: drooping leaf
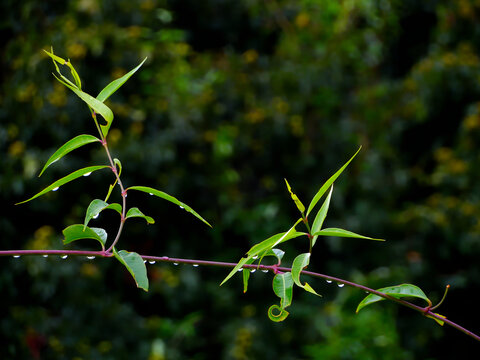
(115, 84)
(98, 106)
(64, 180)
(57, 59)
(70, 145)
(328, 183)
(135, 212)
(118, 164)
(283, 287)
(321, 215)
(343, 233)
(281, 314)
(97, 206)
(79, 232)
(170, 198)
(260, 249)
(295, 198)
(298, 265)
(135, 265)
(398, 291)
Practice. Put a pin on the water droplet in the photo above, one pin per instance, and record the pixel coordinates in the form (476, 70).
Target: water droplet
(87, 174)
(150, 194)
(181, 207)
(175, 264)
(45, 255)
(16, 256)
(255, 257)
(340, 285)
(253, 270)
(195, 265)
(265, 271)
(240, 269)
(151, 262)
(64, 257)
(144, 261)
(329, 281)
(90, 257)
(96, 216)
(55, 189)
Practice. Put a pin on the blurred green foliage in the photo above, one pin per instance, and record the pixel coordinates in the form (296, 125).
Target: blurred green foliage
(234, 97)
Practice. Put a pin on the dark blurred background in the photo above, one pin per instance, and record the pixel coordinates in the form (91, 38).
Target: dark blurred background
(235, 96)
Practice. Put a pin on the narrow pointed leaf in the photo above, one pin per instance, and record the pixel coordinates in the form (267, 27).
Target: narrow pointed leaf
(115, 84)
(439, 322)
(261, 248)
(277, 314)
(66, 179)
(321, 215)
(399, 291)
(298, 265)
(295, 198)
(246, 275)
(135, 212)
(328, 183)
(70, 145)
(118, 164)
(342, 233)
(64, 80)
(97, 206)
(170, 198)
(79, 232)
(135, 265)
(98, 106)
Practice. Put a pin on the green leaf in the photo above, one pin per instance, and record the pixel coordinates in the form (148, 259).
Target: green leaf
(399, 291)
(283, 287)
(298, 265)
(439, 322)
(135, 265)
(295, 198)
(274, 252)
(342, 233)
(135, 212)
(246, 275)
(328, 183)
(321, 215)
(261, 248)
(73, 144)
(280, 316)
(96, 105)
(76, 174)
(118, 164)
(97, 206)
(170, 198)
(115, 84)
(56, 59)
(79, 231)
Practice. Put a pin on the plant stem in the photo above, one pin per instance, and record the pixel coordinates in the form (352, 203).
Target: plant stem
(425, 311)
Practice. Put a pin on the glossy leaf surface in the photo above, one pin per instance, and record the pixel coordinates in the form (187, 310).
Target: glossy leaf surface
(170, 198)
(135, 212)
(115, 84)
(135, 265)
(328, 183)
(343, 233)
(79, 232)
(399, 291)
(298, 265)
(70, 145)
(97, 206)
(321, 215)
(64, 180)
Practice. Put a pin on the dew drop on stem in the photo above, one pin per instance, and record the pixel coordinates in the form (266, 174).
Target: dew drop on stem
(90, 257)
(253, 270)
(176, 264)
(195, 265)
(16, 256)
(151, 262)
(265, 271)
(45, 256)
(64, 257)
(340, 285)
(329, 281)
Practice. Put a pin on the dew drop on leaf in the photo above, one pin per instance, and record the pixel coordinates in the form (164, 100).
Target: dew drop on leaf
(87, 174)
(241, 269)
(55, 189)
(181, 207)
(255, 257)
(96, 216)
(151, 194)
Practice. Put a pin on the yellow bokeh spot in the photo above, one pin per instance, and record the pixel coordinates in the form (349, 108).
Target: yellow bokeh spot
(255, 115)
(58, 97)
(89, 270)
(443, 154)
(296, 125)
(136, 128)
(302, 20)
(182, 49)
(16, 148)
(76, 51)
(471, 122)
(114, 136)
(457, 166)
(134, 31)
(250, 56)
